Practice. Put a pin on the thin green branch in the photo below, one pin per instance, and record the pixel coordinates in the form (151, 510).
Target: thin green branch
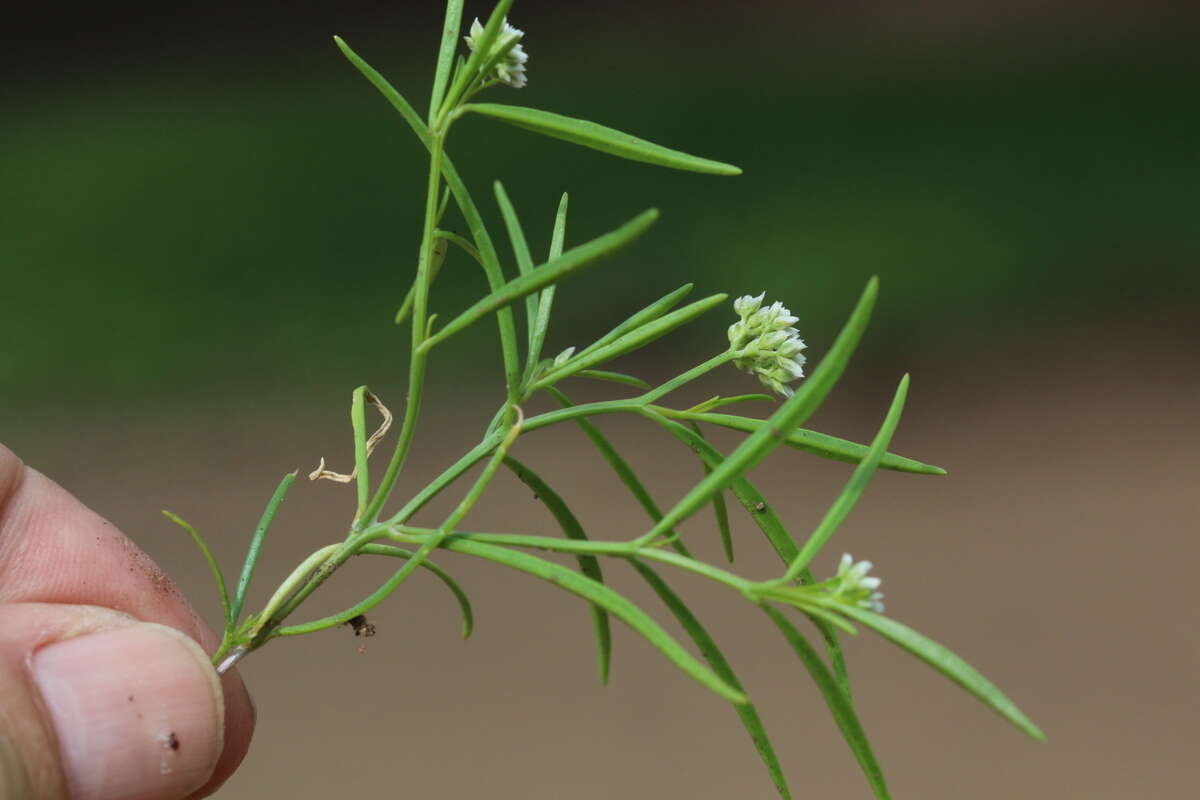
(332, 621)
(621, 467)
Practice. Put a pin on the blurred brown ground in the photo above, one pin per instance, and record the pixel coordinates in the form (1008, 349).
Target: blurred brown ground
(1057, 557)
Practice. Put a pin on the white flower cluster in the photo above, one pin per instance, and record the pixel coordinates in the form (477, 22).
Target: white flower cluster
(769, 345)
(854, 586)
(510, 69)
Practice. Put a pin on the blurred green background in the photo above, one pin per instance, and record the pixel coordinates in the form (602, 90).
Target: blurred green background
(208, 219)
(188, 217)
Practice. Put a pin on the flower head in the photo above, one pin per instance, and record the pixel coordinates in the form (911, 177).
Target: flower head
(510, 69)
(768, 346)
(852, 585)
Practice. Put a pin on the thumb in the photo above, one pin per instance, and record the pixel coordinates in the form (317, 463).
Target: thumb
(99, 706)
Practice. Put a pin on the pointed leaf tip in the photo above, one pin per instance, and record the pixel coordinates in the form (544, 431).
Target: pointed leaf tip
(600, 137)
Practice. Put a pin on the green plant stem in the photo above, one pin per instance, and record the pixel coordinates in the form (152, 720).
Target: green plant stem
(486, 249)
(434, 540)
(448, 476)
(287, 601)
(687, 377)
(419, 356)
(292, 584)
(412, 535)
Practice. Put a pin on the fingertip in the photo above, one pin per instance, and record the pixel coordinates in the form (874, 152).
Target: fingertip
(11, 468)
(137, 712)
(240, 719)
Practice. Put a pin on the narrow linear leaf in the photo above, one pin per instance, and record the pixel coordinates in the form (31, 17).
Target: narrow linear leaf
(613, 377)
(358, 423)
(755, 504)
(588, 565)
(570, 262)
(719, 511)
(651, 312)
(218, 578)
(758, 445)
(721, 402)
(839, 705)
(621, 467)
(820, 444)
(617, 605)
(446, 51)
(520, 246)
(256, 543)
(546, 302)
(462, 196)
(639, 337)
(332, 621)
(599, 137)
(947, 663)
(854, 488)
(462, 244)
(716, 659)
(772, 527)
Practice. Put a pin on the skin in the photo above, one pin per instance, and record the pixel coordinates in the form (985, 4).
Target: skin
(67, 573)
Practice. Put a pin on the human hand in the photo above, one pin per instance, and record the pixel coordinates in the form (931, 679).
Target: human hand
(106, 693)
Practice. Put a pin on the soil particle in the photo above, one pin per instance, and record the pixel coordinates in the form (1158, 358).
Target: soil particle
(361, 626)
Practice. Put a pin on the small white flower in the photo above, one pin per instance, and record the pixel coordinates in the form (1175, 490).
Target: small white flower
(851, 584)
(767, 344)
(747, 305)
(510, 69)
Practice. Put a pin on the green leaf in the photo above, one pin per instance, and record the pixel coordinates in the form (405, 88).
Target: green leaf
(588, 565)
(256, 543)
(470, 212)
(773, 529)
(218, 578)
(820, 444)
(616, 604)
(599, 137)
(614, 377)
(945, 662)
(839, 704)
(520, 246)
(716, 659)
(719, 510)
(755, 504)
(651, 312)
(720, 402)
(854, 487)
(358, 423)
(557, 238)
(619, 466)
(570, 262)
(639, 337)
(758, 445)
(446, 52)
(332, 621)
